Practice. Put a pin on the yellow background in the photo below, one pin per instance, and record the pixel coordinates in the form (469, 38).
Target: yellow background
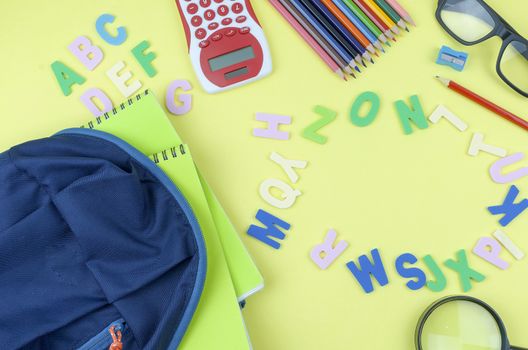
(376, 186)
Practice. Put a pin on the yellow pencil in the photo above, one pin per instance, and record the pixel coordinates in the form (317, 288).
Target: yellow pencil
(384, 17)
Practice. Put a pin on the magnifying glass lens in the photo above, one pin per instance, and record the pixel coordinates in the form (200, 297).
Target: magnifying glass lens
(461, 325)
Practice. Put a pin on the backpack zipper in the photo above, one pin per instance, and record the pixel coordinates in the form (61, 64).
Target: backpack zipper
(110, 338)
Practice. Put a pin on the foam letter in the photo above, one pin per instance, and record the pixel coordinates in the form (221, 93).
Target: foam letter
(145, 59)
(103, 33)
(264, 234)
(510, 209)
(441, 282)
(410, 272)
(90, 55)
(477, 145)
(465, 273)
(496, 169)
(414, 114)
(489, 249)
(324, 254)
(287, 165)
(88, 96)
(289, 195)
(185, 99)
(374, 100)
(514, 250)
(442, 112)
(120, 80)
(310, 132)
(66, 77)
(274, 122)
(367, 269)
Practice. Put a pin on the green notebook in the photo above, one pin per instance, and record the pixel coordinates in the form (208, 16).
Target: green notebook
(231, 274)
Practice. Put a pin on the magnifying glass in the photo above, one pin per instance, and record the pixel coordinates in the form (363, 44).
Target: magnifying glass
(461, 323)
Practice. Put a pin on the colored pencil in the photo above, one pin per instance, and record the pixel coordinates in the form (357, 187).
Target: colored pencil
(352, 40)
(392, 14)
(353, 50)
(328, 46)
(366, 21)
(484, 102)
(357, 22)
(381, 14)
(308, 39)
(346, 55)
(375, 18)
(403, 13)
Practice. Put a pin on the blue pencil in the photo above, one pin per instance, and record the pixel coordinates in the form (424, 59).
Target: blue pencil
(342, 30)
(324, 33)
(359, 24)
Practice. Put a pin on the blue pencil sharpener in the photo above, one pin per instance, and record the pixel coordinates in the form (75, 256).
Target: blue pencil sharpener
(452, 58)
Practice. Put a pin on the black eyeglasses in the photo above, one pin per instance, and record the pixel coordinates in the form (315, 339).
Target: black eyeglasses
(461, 323)
(473, 21)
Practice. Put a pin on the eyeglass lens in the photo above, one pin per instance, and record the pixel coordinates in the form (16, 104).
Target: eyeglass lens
(514, 64)
(467, 19)
(461, 325)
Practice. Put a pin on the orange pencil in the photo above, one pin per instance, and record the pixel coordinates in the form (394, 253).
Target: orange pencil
(348, 25)
(385, 18)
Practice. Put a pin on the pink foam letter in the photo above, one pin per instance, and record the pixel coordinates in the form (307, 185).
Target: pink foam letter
(88, 54)
(88, 96)
(274, 121)
(496, 169)
(324, 254)
(489, 249)
(185, 99)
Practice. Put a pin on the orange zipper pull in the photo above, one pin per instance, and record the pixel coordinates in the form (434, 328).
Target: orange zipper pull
(116, 336)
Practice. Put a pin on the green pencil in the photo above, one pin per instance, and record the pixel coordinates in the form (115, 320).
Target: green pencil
(368, 23)
(392, 14)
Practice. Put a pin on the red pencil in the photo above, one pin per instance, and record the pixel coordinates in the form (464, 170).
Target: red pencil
(484, 102)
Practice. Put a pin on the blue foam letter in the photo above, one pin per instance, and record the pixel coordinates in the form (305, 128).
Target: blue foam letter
(510, 209)
(367, 268)
(103, 33)
(263, 234)
(410, 272)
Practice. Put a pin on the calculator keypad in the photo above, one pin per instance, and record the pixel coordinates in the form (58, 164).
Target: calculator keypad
(207, 17)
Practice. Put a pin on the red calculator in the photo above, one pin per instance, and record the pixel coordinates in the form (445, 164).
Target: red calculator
(226, 42)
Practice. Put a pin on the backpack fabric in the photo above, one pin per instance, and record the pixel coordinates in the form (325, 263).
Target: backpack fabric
(94, 234)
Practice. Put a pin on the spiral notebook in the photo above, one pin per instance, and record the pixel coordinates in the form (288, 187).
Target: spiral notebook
(231, 273)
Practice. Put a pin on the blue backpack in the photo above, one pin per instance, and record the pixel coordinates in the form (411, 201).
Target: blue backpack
(98, 248)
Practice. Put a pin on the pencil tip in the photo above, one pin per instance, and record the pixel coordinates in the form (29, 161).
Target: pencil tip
(407, 29)
(382, 50)
(357, 68)
(375, 53)
(372, 61)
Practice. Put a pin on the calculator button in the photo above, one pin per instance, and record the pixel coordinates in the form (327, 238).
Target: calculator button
(205, 3)
(216, 37)
(209, 15)
(237, 8)
(196, 21)
(213, 25)
(192, 9)
(200, 33)
(227, 21)
(230, 32)
(204, 43)
(241, 19)
(244, 30)
(223, 10)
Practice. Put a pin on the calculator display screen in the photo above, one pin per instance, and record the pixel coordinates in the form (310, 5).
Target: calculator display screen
(231, 58)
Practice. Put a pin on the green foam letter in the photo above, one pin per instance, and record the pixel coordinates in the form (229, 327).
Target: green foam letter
(441, 282)
(66, 77)
(413, 114)
(310, 132)
(374, 100)
(145, 59)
